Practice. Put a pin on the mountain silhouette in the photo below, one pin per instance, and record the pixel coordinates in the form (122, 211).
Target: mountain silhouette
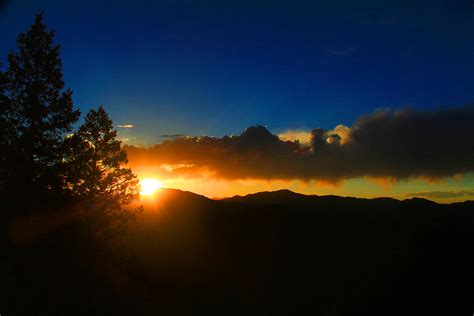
(281, 251)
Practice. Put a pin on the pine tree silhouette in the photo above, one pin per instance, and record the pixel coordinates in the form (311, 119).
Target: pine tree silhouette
(96, 174)
(36, 113)
(38, 158)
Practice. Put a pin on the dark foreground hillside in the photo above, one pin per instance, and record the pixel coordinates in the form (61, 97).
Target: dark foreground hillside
(267, 253)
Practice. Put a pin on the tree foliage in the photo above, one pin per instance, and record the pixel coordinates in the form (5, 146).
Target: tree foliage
(39, 157)
(96, 173)
(36, 112)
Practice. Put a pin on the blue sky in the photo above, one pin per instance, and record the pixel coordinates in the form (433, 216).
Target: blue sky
(217, 67)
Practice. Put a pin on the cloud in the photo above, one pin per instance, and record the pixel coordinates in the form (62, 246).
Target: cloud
(443, 194)
(387, 143)
(304, 137)
(171, 136)
(126, 126)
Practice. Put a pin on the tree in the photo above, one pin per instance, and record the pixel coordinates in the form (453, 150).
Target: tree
(96, 175)
(36, 113)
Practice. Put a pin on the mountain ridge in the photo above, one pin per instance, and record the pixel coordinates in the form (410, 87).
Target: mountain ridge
(276, 196)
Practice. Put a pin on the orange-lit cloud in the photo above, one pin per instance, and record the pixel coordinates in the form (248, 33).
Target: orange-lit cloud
(304, 137)
(385, 144)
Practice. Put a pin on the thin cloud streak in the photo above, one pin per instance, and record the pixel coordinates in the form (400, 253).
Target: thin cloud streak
(171, 136)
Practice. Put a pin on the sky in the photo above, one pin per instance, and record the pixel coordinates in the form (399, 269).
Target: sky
(194, 68)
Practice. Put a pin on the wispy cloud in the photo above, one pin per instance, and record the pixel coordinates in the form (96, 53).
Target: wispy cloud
(126, 126)
(164, 137)
(171, 135)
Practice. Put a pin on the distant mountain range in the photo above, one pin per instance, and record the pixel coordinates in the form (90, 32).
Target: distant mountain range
(290, 198)
(284, 252)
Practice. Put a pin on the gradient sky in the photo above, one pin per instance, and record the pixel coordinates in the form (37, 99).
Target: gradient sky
(217, 67)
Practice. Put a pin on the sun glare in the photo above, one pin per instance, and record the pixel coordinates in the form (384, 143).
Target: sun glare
(149, 186)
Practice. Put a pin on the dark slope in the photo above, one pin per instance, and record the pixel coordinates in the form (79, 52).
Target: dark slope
(266, 253)
(283, 252)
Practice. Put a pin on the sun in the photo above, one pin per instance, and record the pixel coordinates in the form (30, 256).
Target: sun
(149, 186)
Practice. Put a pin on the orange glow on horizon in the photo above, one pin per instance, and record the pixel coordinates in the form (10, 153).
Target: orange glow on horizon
(153, 180)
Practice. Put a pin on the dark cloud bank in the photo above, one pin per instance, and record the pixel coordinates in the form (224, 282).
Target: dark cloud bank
(398, 144)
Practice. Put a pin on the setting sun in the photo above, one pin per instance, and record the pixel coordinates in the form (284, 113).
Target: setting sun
(149, 186)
